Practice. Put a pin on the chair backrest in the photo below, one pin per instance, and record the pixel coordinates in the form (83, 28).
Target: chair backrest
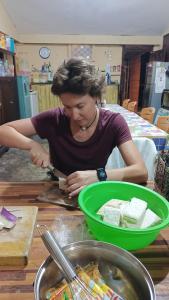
(163, 123)
(132, 106)
(147, 113)
(161, 112)
(148, 152)
(125, 103)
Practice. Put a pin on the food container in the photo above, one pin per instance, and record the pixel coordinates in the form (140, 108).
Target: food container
(95, 195)
(132, 283)
(43, 77)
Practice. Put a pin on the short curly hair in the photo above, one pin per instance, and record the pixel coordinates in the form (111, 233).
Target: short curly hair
(78, 76)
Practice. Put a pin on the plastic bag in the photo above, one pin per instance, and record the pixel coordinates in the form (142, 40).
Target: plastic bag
(161, 179)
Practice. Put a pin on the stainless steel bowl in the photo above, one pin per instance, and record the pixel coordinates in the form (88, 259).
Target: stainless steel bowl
(121, 270)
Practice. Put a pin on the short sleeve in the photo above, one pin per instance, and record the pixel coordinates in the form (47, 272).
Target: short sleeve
(122, 130)
(45, 122)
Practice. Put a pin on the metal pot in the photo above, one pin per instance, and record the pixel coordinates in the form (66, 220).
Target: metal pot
(120, 269)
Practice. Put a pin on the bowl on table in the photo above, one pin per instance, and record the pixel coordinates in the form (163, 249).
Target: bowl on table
(120, 270)
(96, 195)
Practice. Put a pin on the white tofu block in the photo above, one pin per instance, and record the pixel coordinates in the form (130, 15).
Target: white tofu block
(129, 225)
(141, 203)
(133, 212)
(126, 221)
(116, 203)
(112, 215)
(150, 219)
(62, 184)
(122, 207)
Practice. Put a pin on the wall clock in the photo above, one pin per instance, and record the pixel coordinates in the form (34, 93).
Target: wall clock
(44, 52)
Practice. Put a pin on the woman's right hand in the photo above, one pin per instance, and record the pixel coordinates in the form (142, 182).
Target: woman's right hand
(39, 155)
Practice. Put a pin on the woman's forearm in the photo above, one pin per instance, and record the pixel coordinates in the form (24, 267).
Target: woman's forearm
(78, 180)
(135, 173)
(11, 138)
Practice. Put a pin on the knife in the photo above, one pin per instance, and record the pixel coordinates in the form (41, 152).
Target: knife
(51, 173)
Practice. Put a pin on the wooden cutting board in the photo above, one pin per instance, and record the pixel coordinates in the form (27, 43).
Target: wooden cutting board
(55, 196)
(15, 243)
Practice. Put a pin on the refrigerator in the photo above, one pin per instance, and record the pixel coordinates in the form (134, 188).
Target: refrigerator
(157, 79)
(34, 103)
(23, 84)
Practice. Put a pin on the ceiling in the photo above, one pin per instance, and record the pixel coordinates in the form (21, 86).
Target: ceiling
(89, 17)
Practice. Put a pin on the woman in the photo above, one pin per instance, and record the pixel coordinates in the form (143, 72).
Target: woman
(81, 137)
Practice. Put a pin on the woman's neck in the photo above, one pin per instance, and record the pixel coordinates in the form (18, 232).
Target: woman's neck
(84, 128)
(84, 133)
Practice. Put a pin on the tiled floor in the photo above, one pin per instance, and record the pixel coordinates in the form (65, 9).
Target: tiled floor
(16, 165)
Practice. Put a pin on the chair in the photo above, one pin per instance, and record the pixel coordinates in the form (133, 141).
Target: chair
(148, 152)
(161, 112)
(125, 103)
(147, 113)
(163, 123)
(132, 106)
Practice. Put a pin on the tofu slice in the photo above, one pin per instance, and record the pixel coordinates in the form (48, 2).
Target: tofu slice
(62, 184)
(133, 212)
(111, 215)
(150, 219)
(116, 203)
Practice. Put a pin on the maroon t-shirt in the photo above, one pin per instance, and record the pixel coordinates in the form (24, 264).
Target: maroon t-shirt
(69, 155)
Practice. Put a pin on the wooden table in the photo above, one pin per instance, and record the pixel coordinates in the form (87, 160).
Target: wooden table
(16, 283)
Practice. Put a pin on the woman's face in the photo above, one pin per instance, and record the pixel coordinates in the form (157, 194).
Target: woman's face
(79, 108)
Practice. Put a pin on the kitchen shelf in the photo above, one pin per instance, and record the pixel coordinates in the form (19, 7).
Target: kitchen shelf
(7, 51)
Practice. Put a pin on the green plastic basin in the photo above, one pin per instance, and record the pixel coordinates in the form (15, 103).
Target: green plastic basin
(95, 195)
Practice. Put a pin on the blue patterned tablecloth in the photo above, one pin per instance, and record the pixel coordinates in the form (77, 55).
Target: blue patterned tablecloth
(140, 127)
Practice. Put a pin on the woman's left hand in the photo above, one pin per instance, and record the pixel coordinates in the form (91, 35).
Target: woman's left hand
(78, 180)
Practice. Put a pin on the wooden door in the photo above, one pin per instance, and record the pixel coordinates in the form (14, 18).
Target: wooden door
(131, 68)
